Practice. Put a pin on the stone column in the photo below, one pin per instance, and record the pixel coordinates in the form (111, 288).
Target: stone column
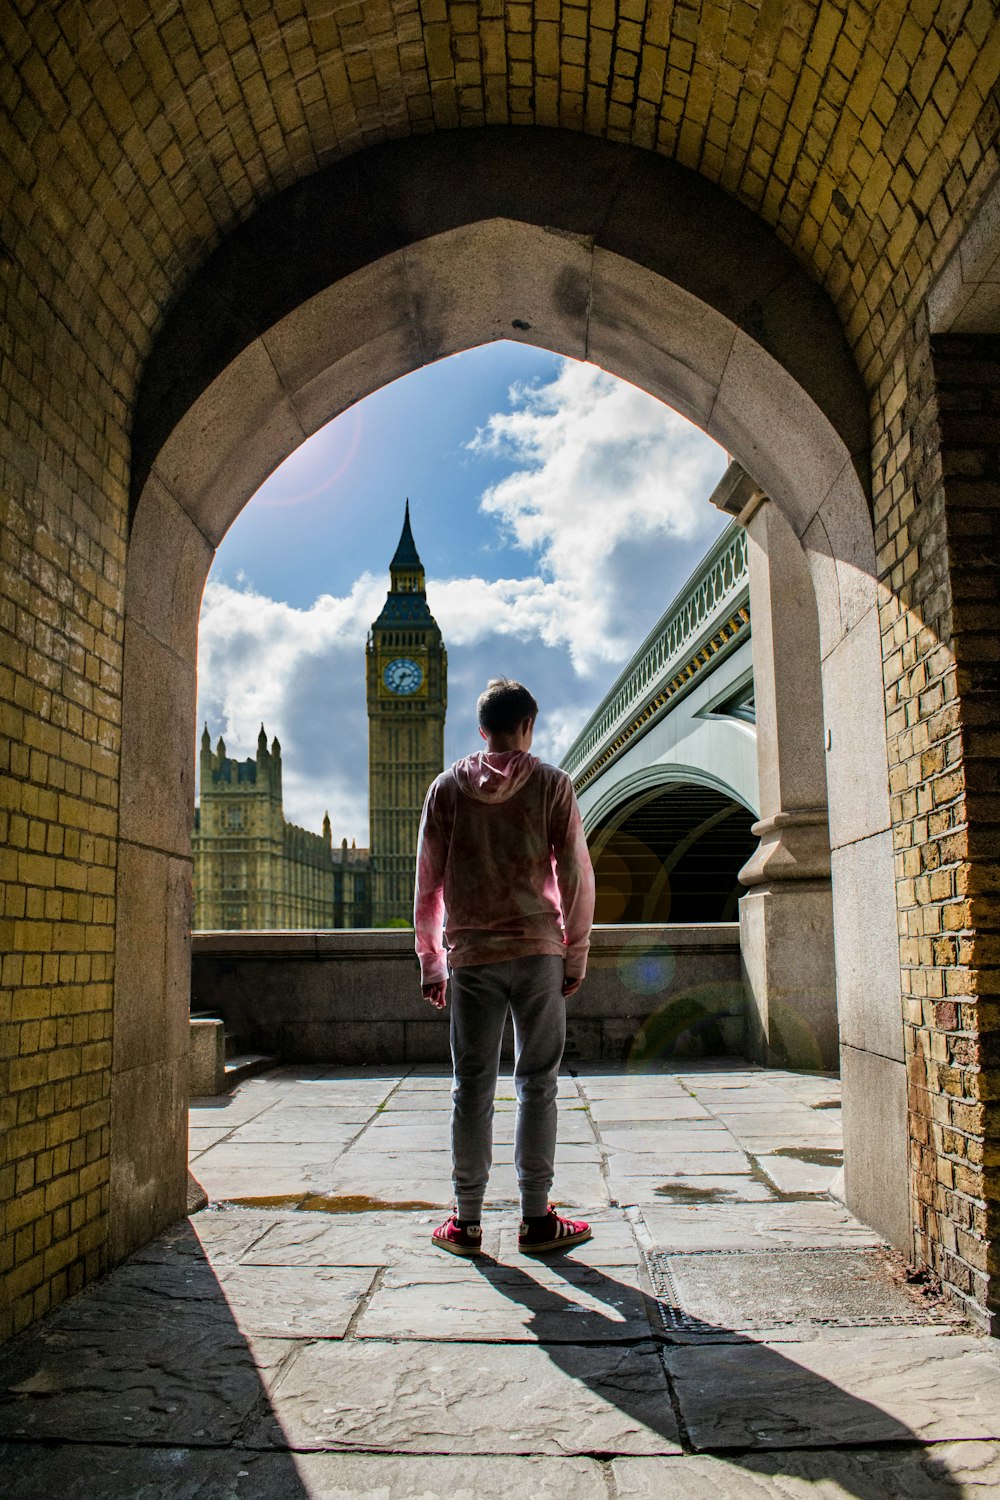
(786, 919)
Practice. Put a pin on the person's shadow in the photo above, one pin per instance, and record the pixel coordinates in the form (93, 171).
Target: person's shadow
(727, 1397)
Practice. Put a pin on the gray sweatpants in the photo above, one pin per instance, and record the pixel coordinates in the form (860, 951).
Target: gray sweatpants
(531, 988)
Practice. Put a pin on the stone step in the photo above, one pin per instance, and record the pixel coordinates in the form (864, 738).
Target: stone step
(247, 1065)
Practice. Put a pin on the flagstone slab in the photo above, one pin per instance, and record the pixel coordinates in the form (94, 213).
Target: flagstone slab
(343, 1094)
(191, 1383)
(873, 1387)
(642, 1165)
(353, 1188)
(106, 1472)
(200, 1137)
(415, 1397)
(613, 1244)
(228, 1111)
(487, 1303)
(298, 1126)
(396, 1162)
(705, 1188)
(675, 1135)
(792, 1176)
(574, 1128)
(216, 1234)
(941, 1471)
(407, 1099)
(141, 1294)
(265, 1156)
(365, 1239)
(295, 1301)
(721, 1155)
(264, 1169)
(742, 1226)
(419, 1136)
(625, 1109)
(770, 1146)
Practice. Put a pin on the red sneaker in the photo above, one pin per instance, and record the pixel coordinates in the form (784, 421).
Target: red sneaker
(551, 1233)
(459, 1240)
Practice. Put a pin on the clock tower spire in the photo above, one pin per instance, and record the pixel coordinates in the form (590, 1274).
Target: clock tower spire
(407, 681)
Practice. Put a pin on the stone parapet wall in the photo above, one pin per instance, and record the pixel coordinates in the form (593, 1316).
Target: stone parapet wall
(354, 997)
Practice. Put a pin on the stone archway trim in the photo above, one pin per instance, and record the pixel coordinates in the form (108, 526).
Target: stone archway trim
(606, 255)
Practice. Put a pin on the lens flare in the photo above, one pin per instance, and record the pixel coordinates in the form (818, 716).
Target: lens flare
(281, 492)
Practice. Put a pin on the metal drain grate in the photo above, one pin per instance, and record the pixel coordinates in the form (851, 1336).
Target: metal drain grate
(718, 1291)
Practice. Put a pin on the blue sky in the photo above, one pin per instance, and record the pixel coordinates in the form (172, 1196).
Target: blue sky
(556, 511)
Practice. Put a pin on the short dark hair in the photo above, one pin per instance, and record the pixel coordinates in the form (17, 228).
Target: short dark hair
(503, 706)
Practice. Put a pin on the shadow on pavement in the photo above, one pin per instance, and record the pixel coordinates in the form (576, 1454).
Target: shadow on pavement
(142, 1388)
(830, 1420)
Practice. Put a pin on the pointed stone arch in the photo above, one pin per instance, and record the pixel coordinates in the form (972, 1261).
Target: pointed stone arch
(388, 261)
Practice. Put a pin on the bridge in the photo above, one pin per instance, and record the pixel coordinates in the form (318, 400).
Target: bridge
(665, 769)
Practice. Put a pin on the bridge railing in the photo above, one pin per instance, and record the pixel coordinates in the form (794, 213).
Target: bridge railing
(709, 616)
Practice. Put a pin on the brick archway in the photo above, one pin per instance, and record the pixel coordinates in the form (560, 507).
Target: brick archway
(421, 250)
(136, 142)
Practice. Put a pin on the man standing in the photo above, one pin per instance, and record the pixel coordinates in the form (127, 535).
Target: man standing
(502, 852)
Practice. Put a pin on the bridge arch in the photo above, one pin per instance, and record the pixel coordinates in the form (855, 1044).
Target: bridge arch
(388, 261)
(614, 804)
(669, 848)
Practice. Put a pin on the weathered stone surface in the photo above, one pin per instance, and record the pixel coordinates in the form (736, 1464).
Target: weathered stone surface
(192, 1383)
(235, 1170)
(790, 1174)
(643, 1164)
(630, 1086)
(487, 1303)
(404, 1190)
(682, 1135)
(941, 1471)
(440, 1398)
(100, 1472)
(295, 1301)
(701, 1189)
(230, 1110)
(623, 1109)
(879, 1386)
(420, 1136)
(218, 1235)
(743, 1226)
(613, 1244)
(302, 1126)
(327, 1239)
(200, 1137)
(364, 1239)
(149, 1295)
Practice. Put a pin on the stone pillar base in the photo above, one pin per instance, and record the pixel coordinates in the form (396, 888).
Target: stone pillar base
(786, 940)
(208, 1058)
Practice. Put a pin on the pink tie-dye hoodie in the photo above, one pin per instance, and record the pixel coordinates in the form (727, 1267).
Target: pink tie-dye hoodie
(503, 868)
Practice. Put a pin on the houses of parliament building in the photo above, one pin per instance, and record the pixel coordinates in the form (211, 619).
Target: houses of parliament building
(253, 871)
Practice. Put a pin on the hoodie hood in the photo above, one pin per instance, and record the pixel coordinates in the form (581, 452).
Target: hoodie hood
(494, 776)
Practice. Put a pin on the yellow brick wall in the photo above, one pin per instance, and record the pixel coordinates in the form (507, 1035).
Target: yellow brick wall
(938, 534)
(62, 550)
(135, 138)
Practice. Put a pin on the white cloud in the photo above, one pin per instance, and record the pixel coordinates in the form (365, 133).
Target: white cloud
(301, 672)
(606, 494)
(600, 468)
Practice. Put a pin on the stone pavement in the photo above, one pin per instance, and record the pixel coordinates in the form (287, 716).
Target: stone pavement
(730, 1331)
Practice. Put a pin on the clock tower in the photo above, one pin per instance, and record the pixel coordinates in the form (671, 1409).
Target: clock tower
(407, 697)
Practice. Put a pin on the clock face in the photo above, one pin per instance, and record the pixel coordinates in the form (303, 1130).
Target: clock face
(402, 676)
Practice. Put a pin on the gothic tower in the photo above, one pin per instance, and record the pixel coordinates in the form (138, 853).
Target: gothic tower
(407, 696)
